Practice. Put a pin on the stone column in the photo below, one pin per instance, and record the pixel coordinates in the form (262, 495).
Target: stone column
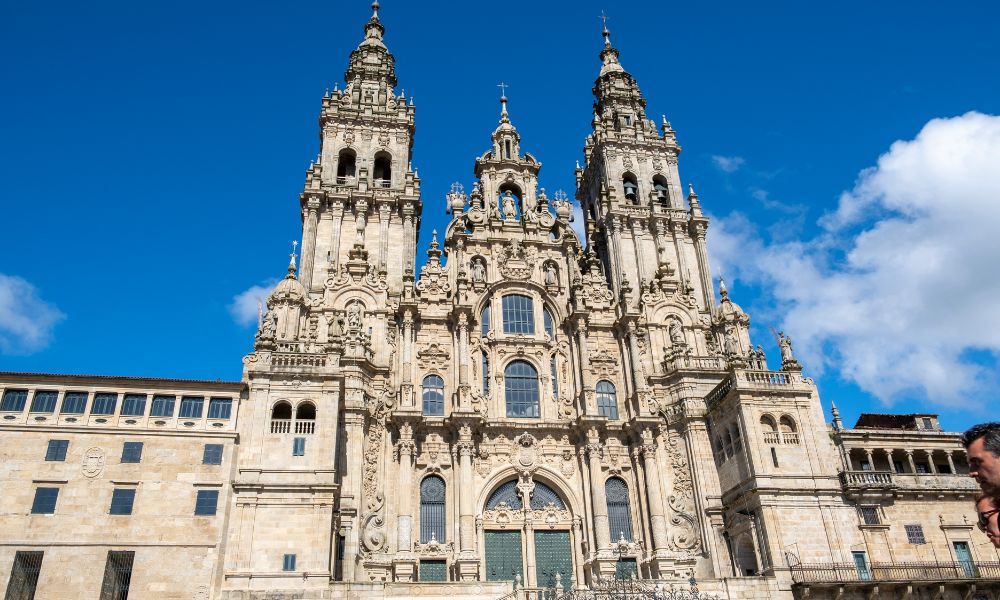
(637, 229)
(869, 458)
(463, 350)
(888, 458)
(589, 407)
(406, 352)
(404, 529)
(703, 269)
(337, 210)
(633, 347)
(930, 461)
(384, 215)
(310, 217)
(909, 459)
(600, 502)
(951, 462)
(466, 511)
(679, 234)
(657, 519)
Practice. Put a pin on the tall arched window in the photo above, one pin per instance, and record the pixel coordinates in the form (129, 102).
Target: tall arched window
(543, 495)
(432, 509)
(518, 314)
(555, 376)
(345, 165)
(660, 188)
(484, 321)
(281, 417)
(506, 494)
(619, 516)
(770, 429)
(382, 170)
(486, 374)
(631, 188)
(433, 395)
(607, 400)
(548, 323)
(788, 433)
(521, 390)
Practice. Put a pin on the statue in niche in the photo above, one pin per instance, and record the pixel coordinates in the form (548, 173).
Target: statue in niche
(676, 334)
(478, 271)
(354, 316)
(335, 328)
(550, 274)
(732, 346)
(509, 207)
(529, 208)
(268, 326)
(785, 344)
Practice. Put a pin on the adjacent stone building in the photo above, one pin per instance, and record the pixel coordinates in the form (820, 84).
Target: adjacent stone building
(529, 407)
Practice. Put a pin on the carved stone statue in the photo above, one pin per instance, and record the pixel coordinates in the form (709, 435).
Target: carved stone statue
(676, 334)
(478, 271)
(785, 344)
(509, 207)
(268, 326)
(529, 208)
(732, 346)
(550, 274)
(335, 328)
(354, 316)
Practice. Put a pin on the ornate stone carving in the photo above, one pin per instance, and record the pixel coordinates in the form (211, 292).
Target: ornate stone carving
(516, 261)
(683, 526)
(93, 463)
(433, 355)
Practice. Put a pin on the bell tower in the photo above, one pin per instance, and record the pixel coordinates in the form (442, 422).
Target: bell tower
(631, 193)
(361, 203)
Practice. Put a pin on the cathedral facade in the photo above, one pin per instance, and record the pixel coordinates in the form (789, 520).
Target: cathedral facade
(527, 410)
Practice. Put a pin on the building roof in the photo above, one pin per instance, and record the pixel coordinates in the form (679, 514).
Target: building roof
(76, 378)
(889, 421)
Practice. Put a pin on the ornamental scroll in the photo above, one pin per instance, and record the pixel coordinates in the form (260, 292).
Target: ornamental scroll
(373, 536)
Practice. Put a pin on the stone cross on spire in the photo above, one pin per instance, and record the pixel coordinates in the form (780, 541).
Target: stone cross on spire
(605, 32)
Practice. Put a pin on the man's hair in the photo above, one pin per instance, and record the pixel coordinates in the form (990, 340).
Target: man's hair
(990, 432)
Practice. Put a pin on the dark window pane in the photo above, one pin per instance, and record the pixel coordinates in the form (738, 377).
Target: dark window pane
(122, 500)
(207, 502)
(45, 501)
(14, 400)
(548, 323)
(220, 408)
(518, 314)
(486, 374)
(433, 395)
(484, 321)
(163, 406)
(213, 454)
(619, 516)
(117, 576)
(607, 400)
(104, 404)
(56, 450)
(432, 509)
(131, 452)
(191, 407)
(521, 390)
(24, 575)
(74, 403)
(543, 495)
(299, 446)
(134, 405)
(288, 563)
(506, 494)
(44, 402)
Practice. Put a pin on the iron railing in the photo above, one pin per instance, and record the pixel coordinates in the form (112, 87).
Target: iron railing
(884, 572)
(24, 576)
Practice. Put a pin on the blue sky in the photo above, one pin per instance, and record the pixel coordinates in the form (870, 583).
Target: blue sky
(152, 155)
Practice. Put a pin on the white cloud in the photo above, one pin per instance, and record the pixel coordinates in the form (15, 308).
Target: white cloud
(728, 164)
(244, 305)
(899, 290)
(26, 321)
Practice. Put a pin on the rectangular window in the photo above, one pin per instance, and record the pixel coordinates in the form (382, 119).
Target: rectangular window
(870, 515)
(299, 447)
(518, 314)
(117, 575)
(486, 375)
(484, 322)
(56, 450)
(898, 466)
(163, 406)
(191, 407)
(24, 575)
(915, 534)
(134, 405)
(14, 400)
(928, 424)
(44, 402)
(45, 501)
(132, 452)
(861, 565)
(122, 500)
(220, 408)
(206, 503)
(212, 455)
(338, 560)
(922, 469)
(104, 403)
(74, 403)
(555, 377)
(433, 570)
(288, 563)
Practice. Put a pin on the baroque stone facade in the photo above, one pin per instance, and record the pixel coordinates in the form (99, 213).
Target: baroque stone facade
(529, 407)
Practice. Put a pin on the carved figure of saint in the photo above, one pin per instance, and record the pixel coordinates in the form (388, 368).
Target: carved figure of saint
(676, 335)
(335, 328)
(478, 271)
(509, 207)
(354, 316)
(732, 347)
(529, 208)
(268, 326)
(550, 274)
(785, 344)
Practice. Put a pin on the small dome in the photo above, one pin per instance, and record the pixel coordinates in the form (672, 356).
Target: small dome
(727, 309)
(289, 289)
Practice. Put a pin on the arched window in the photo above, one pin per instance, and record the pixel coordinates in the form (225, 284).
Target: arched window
(506, 494)
(345, 165)
(548, 323)
(432, 509)
(660, 188)
(518, 314)
(631, 188)
(619, 516)
(382, 170)
(543, 495)
(484, 321)
(281, 410)
(486, 374)
(769, 429)
(555, 376)
(433, 395)
(746, 556)
(521, 390)
(305, 412)
(607, 400)
(788, 433)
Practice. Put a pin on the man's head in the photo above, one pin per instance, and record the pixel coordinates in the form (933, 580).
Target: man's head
(982, 443)
(987, 509)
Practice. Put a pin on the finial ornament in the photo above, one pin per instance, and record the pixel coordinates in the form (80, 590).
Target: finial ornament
(605, 32)
(723, 291)
(503, 98)
(291, 262)
(375, 9)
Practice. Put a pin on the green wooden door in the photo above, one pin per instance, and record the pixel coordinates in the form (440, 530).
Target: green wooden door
(553, 555)
(503, 555)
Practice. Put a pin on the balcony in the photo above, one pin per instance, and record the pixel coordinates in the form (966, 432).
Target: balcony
(867, 483)
(932, 573)
(305, 427)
